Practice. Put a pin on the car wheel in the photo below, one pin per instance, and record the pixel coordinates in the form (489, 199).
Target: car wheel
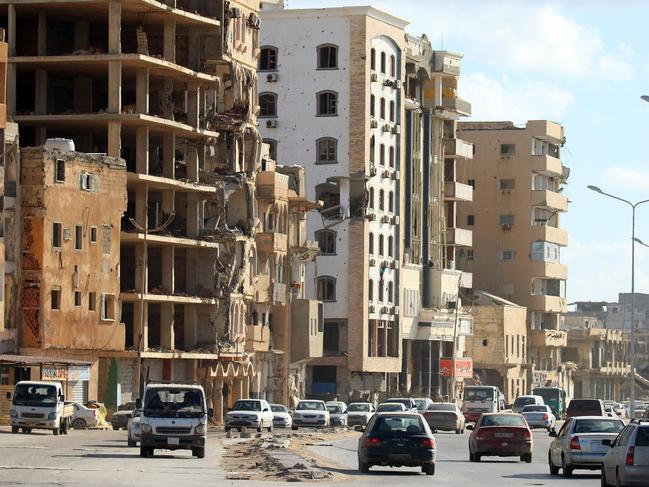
(79, 424)
(56, 431)
(566, 469)
(27, 430)
(144, 452)
(259, 430)
(115, 428)
(428, 468)
(270, 428)
(131, 442)
(363, 467)
(471, 457)
(226, 429)
(553, 470)
(199, 452)
(14, 430)
(294, 428)
(527, 458)
(477, 457)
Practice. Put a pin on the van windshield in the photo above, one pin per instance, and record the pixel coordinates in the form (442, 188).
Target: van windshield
(173, 402)
(34, 395)
(479, 394)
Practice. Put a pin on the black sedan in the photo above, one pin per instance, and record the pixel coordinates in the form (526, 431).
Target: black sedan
(119, 419)
(396, 440)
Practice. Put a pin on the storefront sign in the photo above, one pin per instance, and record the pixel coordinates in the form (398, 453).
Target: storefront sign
(78, 372)
(463, 367)
(50, 372)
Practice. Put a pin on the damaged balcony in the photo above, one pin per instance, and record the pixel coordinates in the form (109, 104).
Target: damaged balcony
(458, 148)
(550, 199)
(257, 338)
(269, 242)
(548, 338)
(547, 164)
(454, 191)
(447, 63)
(272, 185)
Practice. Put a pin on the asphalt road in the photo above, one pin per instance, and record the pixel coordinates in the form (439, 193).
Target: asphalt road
(101, 458)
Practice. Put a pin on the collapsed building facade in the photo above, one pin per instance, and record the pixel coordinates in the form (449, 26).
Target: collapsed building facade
(171, 89)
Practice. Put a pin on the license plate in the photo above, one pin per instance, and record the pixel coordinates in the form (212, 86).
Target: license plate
(173, 441)
(400, 457)
(503, 435)
(504, 443)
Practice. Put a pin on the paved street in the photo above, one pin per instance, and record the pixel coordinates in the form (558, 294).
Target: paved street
(84, 457)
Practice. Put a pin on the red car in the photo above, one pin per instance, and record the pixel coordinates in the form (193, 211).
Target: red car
(501, 435)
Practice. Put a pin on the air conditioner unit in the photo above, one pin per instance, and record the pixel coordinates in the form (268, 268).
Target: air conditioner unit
(387, 127)
(386, 174)
(396, 84)
(451, 305)
(385, 309)
(272, 77)
(396, 264)
(254, 21)
(374, 124)
(396, 310)
(395, 220)
(372, 262)
(374, 77)
(391, 264)
(370, 217)
(372, 170)
(397, 174)
(506, 226)
(387, 82)
(385, 219)
(396, 129)
(271, 124)
(371, 308)
(235, 12)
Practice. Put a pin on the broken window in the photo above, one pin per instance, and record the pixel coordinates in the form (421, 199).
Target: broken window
(390, 246)
(77, 298)
(327, 103)
(470, 220)
(327, 150)
(56, 298)
(371, 204)
(57, 235)
(328, 57)
(268, 59)
(372, 148)
(93, 235)
(381, 245)
(390, 291)
(381, 200)
(268, 105)
(391, 201)
(382, 155)
(106, 230)
(92, 301)
(326, 289)
(59, 172)
(326, 241)
(108, 307)
(87, 182)
(78, 237)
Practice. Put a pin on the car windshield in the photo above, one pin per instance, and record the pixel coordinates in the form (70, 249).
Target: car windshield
(247, 406)
(534, 409)
(584, 405)
(310, 406)
(335, 409)
(278, 408)
(359, 408)
(522, 401)
(34, 395)
(390, 407)
(406, 402)
(598, 426)
(503, 420)
(421, 403)
(440, 406)
(387, 425)
(481, 394)
(642, 437)
(174, 402)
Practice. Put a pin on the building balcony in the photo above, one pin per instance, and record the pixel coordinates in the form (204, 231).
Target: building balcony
(272, 185)
(547, 164)
(307, 329)
(447, 63)
(262, 288)
(269, 242)
(459, 237)
(550, 199)
(278, 291)
(548, 338)
(552, 270)
(549, 234)
(547, 304)
(458, 148)
(257, 338)
(454, 191)
(457, 105)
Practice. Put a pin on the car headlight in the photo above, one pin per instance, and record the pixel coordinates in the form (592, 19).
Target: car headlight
(51, 416)
(201, 429)
(146, 428)
(13, 413)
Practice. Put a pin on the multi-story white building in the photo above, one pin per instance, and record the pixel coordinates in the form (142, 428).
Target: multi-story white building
(331, 100)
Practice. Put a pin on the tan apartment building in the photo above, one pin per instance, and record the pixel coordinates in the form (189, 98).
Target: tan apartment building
(499, 344)
(518, 179)
(434, 281)
(7, 337)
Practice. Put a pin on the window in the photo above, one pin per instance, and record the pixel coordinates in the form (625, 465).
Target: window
(57, 235)
(272, 148)
(56, 298)
(107, 231)
(391, 157)
(327, 104)
(370, 290)
(471, 183)
(372, 107)
(390, 291)
(507, 220)
(92, 301)
(381, 240)
(371, 243)
(470, 220)
(507, 255)
(326, 150)
(93, 235)
(393, 66)
(391, 111)
(326, 289)
(382, 108)
(326, 241)
(373, 59)
(328, 57)
(390, 246)
(108, 307)
(380, 290)
(507, 149)
(381, 200)
(372, 148)
(383, 63)
(78, 237)
(391, 201)
(87, 181)
(268, 105)
(382, 155)
(59, 171)
(77, 299)
(371, 205)
(268, 59)
(507, 183)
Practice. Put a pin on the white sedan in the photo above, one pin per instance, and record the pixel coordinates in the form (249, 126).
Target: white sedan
(84, 417)
(539, 416)
(250, 413)
(281, 416)
(133, 428)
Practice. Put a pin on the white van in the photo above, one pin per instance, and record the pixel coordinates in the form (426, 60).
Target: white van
(529, 400)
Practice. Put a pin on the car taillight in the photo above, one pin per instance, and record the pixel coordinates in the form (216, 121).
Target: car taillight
(427, 443)
(574, 443)
(482, 436)
(372, 441)
(630, 455)
(527, 434)
(545, 416)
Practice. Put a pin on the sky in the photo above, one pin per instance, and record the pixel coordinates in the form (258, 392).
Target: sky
(581, 63)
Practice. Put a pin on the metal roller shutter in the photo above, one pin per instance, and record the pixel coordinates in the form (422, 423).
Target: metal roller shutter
(79, 390)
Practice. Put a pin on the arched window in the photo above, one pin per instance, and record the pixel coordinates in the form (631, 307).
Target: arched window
(381, 200)
(327, 103)
(393, 66)
(371, 205)
(391, 201)
(372, 107)
(272, 148)
(267, 105)
(383, 62)
(268, 58)
(371, 243)
(373, 59)
(370, 290)
(328, 56)
(372, 147)
(382, 155)
(390, 291)
(380, 290)
(392, 111)
(326, 288)
(382, 109)
(390, 246)
(381, 245)
(391, 158)
(326, 150)
(326, 241)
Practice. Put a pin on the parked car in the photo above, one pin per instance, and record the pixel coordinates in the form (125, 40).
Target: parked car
(391, 407)
(84, 417)
(579, 443)
(251, 413)
(396, 440)
(119, 419)
(522, 401)
(310, 413)
(337, 415)
(445, 416)
(539, 417)
(337, 403)
(422, 403)
(281, 416)
(133, 428)
(408, 402)
(501, 435)
(585, 407)
(360, 413)
(627, 460)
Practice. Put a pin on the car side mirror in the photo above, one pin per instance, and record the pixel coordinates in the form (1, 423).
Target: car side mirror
(607, 442)
(552, 433)
(266, 410)
(138, 403)
(359, 428)
(470, 427)
(9, 396)
(210, 412)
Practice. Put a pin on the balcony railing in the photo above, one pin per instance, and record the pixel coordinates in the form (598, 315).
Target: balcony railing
(547, 164)
(550, 199)
(454, 191)
(459, 237)
(458, 148)
(458, 105)
(269, 242)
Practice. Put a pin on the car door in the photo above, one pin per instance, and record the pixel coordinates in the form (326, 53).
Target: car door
(556, 447)
(612, 457)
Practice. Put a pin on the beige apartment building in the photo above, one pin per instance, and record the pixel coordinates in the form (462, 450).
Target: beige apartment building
(518, 178)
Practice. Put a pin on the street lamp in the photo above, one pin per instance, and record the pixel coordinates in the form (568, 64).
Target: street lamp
(633, 242)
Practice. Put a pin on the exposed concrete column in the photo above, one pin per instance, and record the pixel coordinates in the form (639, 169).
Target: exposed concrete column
(191, 321)
(11, 67)
(114, 138)
(168, 268)
(115, 27)
(169, 155)
(167, 326)
(141, 196)
(141, 273)
(194, 202)
(142, 151)
(142, 91)
(217, 400)
(192, 160)
(40, 92)
(237, 387)
(169, 50)
(193, 104)
(141, 319)
(114, 87)
(192, 269)
(41, 48)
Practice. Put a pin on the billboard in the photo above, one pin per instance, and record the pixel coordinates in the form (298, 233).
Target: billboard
(463, 367)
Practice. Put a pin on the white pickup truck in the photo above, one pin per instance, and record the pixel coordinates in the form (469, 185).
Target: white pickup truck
(173, 417)
(39, 405)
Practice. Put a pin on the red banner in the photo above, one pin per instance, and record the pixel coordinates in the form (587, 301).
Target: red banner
(463, 367)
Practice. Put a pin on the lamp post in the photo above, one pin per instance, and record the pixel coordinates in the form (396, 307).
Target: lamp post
(633, 242)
